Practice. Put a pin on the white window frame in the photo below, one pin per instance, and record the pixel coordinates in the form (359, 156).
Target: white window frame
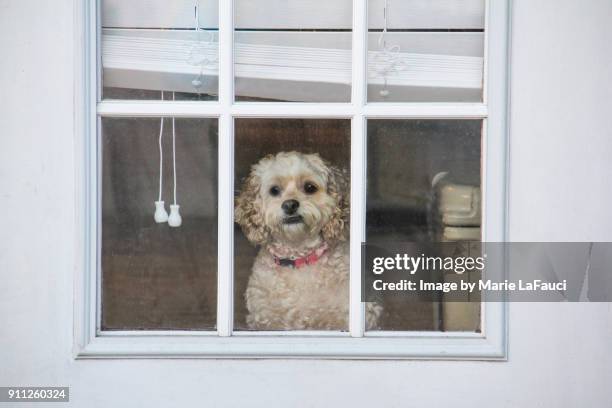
(91, 342)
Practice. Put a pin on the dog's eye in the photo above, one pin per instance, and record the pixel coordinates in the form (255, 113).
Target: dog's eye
(275, 191)
(310, 188)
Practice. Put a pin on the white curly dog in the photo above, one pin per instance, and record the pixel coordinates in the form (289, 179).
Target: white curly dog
(295, 206)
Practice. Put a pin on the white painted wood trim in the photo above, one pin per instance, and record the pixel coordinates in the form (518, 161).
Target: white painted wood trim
(225, 250)
(86, 164)
(82, 118)
(91, 343)
(359, 73)
(495, 150)
(225, 275)
(293, 14)
(292, 110)
(293, 333)
(280, 346)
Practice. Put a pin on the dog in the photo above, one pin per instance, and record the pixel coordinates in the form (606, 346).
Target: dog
(296, 208)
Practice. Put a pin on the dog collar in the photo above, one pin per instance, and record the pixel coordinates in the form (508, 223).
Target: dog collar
(309, 259)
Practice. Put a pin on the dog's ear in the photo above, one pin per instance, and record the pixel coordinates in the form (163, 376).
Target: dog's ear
(338, 187)
(248, 210)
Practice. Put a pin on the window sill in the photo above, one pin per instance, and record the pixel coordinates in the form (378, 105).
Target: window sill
(300, 345)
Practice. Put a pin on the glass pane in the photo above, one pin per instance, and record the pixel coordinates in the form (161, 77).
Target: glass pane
(154, 275)
(293, 50)
(149, 46)
(291, 250)
(425, 51)
(415, 169)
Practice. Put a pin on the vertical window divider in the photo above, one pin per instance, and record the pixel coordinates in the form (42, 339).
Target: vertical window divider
(357, 315)
(485, 72)
(358, 163)
(225, 278)
(94, 137)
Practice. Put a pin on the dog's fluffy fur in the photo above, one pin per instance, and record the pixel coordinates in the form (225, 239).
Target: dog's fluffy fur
(314, 296)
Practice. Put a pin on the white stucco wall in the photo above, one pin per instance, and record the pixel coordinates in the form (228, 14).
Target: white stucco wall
(561, 189)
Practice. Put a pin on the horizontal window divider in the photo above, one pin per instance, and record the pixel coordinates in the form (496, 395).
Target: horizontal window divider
(187, 109)
(293, 110)
(191, 109)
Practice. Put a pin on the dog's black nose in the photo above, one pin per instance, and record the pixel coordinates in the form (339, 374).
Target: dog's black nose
(290, 206)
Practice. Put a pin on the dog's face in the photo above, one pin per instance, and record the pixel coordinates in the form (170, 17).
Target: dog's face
(293, 197)
(295, 202)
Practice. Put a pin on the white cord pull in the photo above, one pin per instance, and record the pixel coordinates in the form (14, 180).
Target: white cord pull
(161, 215)
(175, 219)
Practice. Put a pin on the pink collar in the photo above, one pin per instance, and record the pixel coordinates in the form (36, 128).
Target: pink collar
(309, 259)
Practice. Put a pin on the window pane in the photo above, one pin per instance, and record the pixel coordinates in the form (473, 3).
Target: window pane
(425, 51)
(293, 50)
(291, 239)
(155, 276)
(414, 167)
(150, 46)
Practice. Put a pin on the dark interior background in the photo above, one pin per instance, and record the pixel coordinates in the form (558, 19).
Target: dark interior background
(403, 158)
(155, 276)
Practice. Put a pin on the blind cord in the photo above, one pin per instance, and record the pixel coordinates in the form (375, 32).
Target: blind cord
(161, 152)
(161, 215)
(388, 59)
(175, 219)
(174, 152)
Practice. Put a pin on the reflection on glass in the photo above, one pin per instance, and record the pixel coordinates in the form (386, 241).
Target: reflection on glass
(170, 47)
(293, 51)
(421, 175)
(425, 51)
(291, 239)
(155, 276)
